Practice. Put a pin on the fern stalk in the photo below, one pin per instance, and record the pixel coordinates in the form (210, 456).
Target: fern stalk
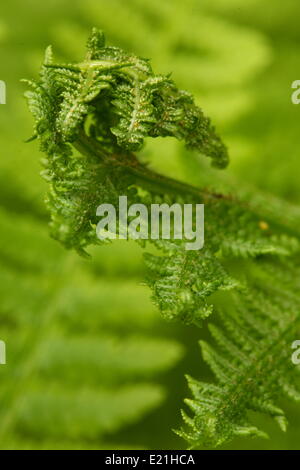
(91, 119)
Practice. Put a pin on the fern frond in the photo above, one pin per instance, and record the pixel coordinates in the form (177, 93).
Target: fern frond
(85, 415)
(105, 107)
(107, 358)
(252, 364)
(182, 282)
(90, 117)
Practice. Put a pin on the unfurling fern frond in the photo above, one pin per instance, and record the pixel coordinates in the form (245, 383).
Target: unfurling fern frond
(90, 118)
(104, 108)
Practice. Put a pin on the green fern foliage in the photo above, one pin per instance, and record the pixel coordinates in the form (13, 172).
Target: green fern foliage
(252, 362)
(106, 167)
(125, 102)
(67, 383)
(183, 281)
(89, 118)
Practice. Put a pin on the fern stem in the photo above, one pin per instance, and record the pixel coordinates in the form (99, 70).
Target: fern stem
(143, 176)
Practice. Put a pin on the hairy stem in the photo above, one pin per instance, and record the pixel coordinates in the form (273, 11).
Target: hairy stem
(143, 176)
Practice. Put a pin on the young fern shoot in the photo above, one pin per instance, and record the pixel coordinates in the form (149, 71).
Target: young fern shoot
(90, 119)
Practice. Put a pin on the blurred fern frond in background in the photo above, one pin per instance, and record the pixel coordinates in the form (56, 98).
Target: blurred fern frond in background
(80, 373)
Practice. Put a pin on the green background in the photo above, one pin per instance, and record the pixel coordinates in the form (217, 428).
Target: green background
(90, 364)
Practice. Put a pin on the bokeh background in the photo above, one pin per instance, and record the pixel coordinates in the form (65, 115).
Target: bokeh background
(90, 364)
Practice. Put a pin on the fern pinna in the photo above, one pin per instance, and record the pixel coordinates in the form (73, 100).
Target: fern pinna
(90, 118)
